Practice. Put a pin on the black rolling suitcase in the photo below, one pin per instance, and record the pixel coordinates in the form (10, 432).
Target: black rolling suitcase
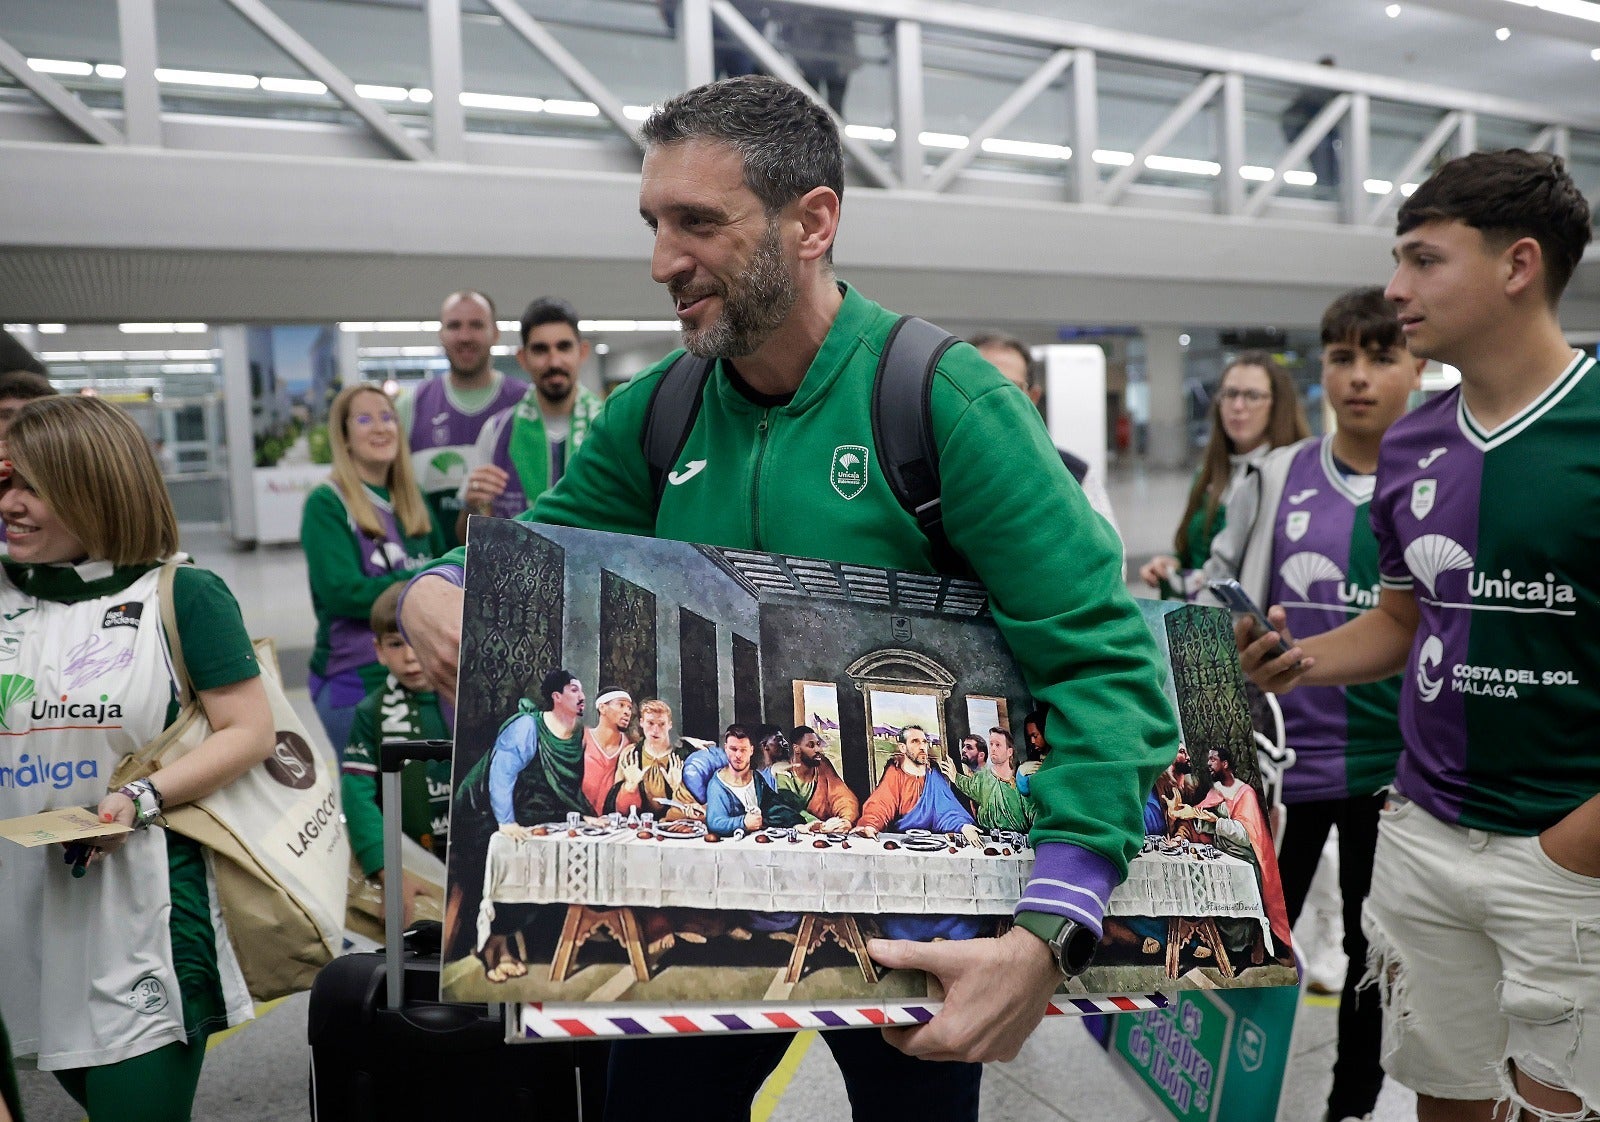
(387, 1051)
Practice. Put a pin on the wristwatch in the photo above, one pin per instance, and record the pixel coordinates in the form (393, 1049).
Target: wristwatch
(1070, 942)
(146, 799)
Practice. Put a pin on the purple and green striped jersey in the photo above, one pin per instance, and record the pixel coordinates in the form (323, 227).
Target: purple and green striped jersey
(1324, 571)
(1496, 534)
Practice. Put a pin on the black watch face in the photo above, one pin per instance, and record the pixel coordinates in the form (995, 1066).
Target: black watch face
(1077, 950)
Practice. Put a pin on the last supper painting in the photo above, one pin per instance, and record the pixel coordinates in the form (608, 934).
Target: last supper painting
(704, 777)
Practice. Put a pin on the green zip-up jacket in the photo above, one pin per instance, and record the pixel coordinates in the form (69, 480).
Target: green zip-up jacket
(778, 479)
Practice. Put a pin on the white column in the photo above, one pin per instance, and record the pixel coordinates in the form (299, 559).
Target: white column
(1163, 365)
(238, 426)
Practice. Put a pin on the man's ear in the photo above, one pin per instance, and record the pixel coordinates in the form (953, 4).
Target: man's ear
(1523, 261)
(818, 214)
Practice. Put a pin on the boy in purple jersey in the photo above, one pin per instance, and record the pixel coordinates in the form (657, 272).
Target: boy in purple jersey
(1297, 533)
(1484, 916)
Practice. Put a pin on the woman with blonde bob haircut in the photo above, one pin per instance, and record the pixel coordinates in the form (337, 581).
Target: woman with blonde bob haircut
(1254, 410)
(364, 529)
(134, 969)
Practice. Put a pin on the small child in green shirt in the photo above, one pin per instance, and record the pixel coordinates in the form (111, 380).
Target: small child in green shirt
(400, 709)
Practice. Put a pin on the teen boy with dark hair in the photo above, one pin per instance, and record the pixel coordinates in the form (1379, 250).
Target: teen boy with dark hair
(1298, 534)
(1484, 916)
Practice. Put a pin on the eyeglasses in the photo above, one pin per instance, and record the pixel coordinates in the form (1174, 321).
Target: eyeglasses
(1249, 397)
(365, 419)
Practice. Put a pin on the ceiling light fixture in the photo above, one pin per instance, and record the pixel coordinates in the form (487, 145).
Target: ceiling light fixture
(1577, 9)
(1392, 11)
(1502, 33)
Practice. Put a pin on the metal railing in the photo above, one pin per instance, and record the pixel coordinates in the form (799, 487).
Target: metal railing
(1079, 114)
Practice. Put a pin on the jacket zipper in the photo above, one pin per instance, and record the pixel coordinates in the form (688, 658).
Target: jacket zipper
(755, 482)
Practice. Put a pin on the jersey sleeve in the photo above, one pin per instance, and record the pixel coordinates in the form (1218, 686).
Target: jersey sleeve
(1393, 572)
(333, 558)
(1054, 575)
(359, 786)
(216, 646)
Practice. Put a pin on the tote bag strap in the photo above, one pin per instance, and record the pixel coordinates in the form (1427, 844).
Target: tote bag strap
(169, 622)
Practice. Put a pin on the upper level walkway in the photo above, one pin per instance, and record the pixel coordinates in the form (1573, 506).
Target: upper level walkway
(282, 161)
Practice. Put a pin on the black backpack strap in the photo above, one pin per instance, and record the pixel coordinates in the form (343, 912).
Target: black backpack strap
(674, 405)
(902, 431)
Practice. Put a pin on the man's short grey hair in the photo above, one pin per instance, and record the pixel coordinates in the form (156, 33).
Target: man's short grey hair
(789, 143)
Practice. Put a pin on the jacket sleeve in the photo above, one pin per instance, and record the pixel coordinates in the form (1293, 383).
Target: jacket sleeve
(333, 559)
(1228, 547)
(359, 787)
(1054, 575)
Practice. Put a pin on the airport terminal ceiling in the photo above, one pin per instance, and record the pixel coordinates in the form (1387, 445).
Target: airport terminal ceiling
(293, 210)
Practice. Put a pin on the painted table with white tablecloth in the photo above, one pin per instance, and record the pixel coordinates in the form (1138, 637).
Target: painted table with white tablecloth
(620, 869)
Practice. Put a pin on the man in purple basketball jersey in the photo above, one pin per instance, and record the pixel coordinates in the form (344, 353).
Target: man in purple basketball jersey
(1484, 916)
(1298, 534)
(442, 416)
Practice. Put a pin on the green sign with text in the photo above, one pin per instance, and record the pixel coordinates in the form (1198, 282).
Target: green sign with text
(1212, 1054)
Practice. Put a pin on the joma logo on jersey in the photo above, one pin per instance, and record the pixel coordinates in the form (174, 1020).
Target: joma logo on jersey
(848, 472)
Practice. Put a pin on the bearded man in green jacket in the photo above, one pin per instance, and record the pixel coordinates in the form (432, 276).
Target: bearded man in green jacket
(741, 189)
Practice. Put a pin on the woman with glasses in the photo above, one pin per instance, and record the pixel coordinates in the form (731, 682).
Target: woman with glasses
(1254, 411)
(364, 529)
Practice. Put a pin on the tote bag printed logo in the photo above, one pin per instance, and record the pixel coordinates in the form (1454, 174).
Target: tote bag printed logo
(15, 689)
(848, 473)
(292, 762)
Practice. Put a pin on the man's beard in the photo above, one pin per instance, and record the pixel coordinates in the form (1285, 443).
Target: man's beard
(754, 304)
(1181, 767)
(547, 396)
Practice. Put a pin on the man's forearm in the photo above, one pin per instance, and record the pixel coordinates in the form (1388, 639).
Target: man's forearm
(1369, 648)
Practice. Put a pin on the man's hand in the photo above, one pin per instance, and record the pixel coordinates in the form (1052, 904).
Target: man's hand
(1029, 767)
(865, 831)
(674, 772)
(512, 830)
(995, 993)
(431, 617)
(629, 769)
(484, 485)
(974, 838)
(752, 821)
(1574, 842)
(1260, 658)
(835, 825)
(947, 767)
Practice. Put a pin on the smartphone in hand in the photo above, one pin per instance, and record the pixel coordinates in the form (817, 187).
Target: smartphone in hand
(1232, 594)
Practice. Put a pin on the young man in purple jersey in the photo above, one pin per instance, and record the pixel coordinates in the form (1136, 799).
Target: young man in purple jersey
(1298, 534)
(1484, 915)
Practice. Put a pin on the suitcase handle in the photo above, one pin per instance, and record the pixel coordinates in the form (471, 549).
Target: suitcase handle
(392, 758)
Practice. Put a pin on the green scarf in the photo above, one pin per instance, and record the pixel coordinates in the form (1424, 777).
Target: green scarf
(530, 450)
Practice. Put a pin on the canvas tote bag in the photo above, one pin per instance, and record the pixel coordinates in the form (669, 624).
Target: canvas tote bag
(276, 834)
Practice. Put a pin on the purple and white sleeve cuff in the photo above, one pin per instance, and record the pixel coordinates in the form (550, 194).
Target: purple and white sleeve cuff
(1070, 881)
(455, 574)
